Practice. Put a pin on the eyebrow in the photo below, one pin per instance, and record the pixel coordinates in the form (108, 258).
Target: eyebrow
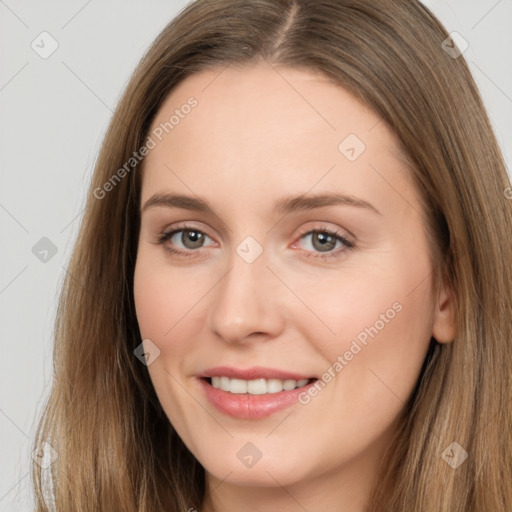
(284, 205)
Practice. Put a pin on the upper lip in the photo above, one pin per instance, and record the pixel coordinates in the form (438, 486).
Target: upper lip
(256, 372)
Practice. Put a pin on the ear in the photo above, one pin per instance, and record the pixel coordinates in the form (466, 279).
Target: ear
(444, 329)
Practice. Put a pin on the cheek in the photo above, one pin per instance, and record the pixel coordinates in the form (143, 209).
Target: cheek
(391, 303)
(163, 297)
(384, 334)
(380, 316)
(396, 354)
(161, 306)
(163, 310)
(170, 307)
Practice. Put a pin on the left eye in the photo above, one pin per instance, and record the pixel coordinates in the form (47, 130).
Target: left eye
(325, 241)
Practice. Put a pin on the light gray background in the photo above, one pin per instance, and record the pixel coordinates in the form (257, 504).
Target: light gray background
(53, 115)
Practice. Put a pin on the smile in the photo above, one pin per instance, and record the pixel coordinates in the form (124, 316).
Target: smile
(256, 386)
(252, 393)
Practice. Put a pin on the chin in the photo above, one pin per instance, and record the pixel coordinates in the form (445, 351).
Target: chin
(266, 472)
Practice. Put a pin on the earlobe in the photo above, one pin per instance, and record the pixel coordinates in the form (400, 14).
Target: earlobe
(444, 329)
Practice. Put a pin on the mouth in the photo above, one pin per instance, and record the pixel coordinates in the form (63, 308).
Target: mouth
(259, 386)
(253, 393)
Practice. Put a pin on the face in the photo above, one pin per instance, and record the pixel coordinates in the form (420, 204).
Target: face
(283, 281)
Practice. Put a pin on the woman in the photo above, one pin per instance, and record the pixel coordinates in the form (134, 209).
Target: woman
(292, 285)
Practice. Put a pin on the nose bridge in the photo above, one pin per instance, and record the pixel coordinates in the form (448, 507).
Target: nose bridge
(245, 299)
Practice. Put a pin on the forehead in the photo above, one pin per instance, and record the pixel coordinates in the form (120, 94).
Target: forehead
(257, 123)
(247, 95)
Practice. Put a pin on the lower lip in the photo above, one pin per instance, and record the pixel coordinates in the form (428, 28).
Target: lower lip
(251, 407)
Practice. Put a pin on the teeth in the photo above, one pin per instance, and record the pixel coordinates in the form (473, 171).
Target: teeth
(274, 385)
(238, 386)
(256, 386)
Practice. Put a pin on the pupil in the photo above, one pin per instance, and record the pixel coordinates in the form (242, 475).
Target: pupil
(326, 241)
(192, 239)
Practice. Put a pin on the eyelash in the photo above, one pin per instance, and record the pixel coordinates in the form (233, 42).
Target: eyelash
(165, 236)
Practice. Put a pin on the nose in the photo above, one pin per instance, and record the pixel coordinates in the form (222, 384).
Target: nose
(247, 303)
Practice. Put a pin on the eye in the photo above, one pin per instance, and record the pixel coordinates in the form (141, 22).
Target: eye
(325, 243)
(320, 243)
(183, 240)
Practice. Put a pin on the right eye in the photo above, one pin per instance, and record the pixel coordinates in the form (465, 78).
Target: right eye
(183, 240)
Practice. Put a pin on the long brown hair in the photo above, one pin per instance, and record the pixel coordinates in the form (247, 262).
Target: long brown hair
(116, 449)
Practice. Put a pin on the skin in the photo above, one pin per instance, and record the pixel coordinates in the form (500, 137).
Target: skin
(256, 135)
